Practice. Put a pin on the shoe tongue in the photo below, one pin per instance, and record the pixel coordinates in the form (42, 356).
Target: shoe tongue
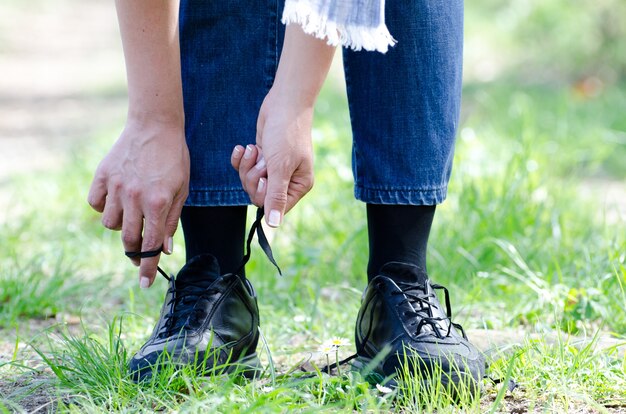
(404, 273)
(201, 270)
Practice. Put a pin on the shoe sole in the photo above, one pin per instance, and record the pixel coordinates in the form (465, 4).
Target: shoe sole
(373, 372)
(250, 367)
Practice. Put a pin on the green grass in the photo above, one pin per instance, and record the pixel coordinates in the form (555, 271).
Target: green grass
(562, 377)
(35, 288)
(516, 243)
(521, 244)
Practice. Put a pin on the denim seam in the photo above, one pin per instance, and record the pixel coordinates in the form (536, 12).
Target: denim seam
(217, 190)
(402, 188)
(431, 196)
(217, 197)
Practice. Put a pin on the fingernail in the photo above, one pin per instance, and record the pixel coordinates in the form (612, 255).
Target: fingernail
(261, 185)
(274, 218)
(170, 245)
(237, 152)
(260, 165)
(248, 152)
(144, 282)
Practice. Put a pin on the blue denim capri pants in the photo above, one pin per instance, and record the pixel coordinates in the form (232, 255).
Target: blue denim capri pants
(404, 105)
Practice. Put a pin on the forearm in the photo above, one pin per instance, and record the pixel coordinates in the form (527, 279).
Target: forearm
(303, 67)
(149, 30)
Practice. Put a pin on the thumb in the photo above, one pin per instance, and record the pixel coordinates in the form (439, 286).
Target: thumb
(276, 197)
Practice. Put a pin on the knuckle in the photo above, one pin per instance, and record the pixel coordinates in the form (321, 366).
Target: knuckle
(151, 243)
(253, 175)
(257, 200)
(130, 239)
(252, 184)
(157, 202)
(93, 202)
(116, 184)
(171, 225)
(278, 197)
(109, 223)
(133, 192)
(309, 181)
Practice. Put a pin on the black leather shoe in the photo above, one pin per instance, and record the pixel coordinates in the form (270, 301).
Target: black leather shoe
(401, 327)
(207, 319)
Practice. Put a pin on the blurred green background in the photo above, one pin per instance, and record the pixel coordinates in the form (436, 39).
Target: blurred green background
(532, 237)
(537, 200)
(540, 164)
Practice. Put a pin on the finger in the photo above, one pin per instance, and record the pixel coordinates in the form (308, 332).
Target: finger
(261, 190)
(301, 183)
(132, 224)
(252, 181)
(171, 223)
(97, 193)
(276, 196)
(235, 157)
(112, 214)
(153, 235)
(259, 154)
(248, 160)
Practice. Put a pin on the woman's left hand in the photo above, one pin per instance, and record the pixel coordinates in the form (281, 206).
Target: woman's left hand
(278, 171)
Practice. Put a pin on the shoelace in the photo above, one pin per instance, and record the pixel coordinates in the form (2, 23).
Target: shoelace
(179, 315)
(424, 311)
(419, 299)
(184, 309)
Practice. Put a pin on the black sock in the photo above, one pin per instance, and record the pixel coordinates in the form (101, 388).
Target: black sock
(397, 233)
(219, 231)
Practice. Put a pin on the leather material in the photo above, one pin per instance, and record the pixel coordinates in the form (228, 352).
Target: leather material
(223, 315)
(389, 320)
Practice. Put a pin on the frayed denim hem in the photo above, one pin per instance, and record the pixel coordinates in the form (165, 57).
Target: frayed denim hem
(427, 197)
(216, 198)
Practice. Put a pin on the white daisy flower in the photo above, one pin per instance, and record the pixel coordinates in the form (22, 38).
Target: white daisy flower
(383, 389)
(325, 348)
(338, 342)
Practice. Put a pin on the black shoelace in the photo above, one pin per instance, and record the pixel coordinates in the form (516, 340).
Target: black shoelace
(420, 300)
(183, 314)
(184, 299)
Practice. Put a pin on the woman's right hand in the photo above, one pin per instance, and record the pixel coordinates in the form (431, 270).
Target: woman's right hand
(140, 187)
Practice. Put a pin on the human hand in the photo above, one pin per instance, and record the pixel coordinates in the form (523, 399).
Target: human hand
(278, 171)
(140, 187)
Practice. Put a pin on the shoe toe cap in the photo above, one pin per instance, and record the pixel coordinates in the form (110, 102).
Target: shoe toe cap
(453, 361)
(141, 366)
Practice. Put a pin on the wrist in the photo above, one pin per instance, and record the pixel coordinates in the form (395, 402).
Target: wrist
(294, 94)
(142, 116)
